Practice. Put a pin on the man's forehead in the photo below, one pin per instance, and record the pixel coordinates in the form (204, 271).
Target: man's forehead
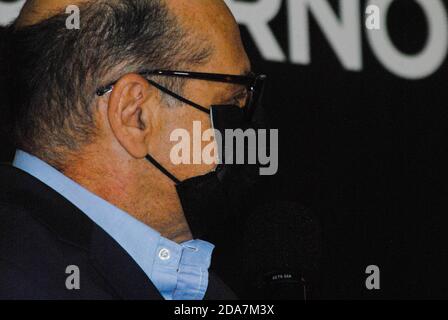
(206, 16)
(35, 11)
(212, 21)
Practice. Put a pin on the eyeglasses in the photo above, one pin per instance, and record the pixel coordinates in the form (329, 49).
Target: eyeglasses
(254, 85)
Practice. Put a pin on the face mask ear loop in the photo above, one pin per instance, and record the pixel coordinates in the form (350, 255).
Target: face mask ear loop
(162, 169)
(178, 97)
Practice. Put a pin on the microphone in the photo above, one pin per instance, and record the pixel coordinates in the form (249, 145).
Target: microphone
(282, 249)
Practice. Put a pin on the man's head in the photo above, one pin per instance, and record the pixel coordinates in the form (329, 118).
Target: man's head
(57, 71)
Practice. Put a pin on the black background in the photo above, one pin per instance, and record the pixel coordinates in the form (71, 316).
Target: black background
(367, 152)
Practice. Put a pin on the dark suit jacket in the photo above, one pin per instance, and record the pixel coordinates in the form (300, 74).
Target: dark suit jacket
(41, 233)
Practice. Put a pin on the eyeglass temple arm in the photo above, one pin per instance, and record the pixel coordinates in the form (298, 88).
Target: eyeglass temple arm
(224, 78)
(102, 91)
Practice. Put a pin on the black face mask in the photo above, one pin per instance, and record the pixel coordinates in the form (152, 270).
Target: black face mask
(214, 198)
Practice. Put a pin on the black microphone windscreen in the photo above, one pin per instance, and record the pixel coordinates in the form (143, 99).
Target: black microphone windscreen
(282, 250)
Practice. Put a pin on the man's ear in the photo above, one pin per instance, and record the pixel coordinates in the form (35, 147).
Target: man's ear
(129, 115)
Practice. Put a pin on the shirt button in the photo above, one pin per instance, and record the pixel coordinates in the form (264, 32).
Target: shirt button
(164, 254)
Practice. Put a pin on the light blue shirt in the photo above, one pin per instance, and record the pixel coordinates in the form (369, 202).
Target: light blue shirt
(179, 271)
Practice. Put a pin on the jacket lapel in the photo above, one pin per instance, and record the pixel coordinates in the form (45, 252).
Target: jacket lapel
(126, 278)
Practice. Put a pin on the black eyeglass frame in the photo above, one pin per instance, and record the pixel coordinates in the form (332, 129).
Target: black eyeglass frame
(254, 83)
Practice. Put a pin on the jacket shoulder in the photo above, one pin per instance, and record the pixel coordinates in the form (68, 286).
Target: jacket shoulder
(34, 252)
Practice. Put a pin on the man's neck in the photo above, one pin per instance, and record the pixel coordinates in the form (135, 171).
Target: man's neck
(148, 198)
